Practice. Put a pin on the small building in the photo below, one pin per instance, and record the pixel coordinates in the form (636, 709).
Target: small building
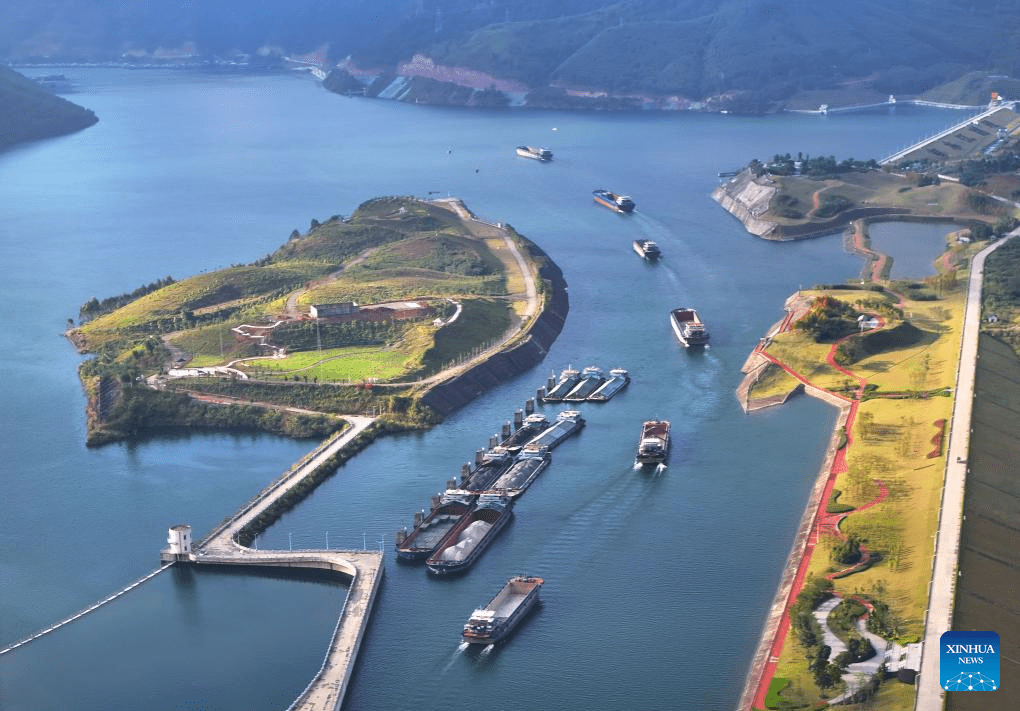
(343, 308)
(179, 541)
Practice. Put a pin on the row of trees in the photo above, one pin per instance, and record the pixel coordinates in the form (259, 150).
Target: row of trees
(816, 167)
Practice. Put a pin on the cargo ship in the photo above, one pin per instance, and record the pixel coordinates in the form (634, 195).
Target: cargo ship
(618, 380)
(591, 378)
(430, 529)
(620, 203)
(567, 423)
(688, 327)
(542, 154)
(494, 464)
(492, 623)
(462, 546)
(532, 426)
(653, 446)
(531, 462)
(569, 379)
(647, 249)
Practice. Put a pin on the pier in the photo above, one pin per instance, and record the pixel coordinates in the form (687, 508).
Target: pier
(327, 688)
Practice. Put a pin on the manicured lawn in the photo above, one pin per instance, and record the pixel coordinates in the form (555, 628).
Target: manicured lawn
(333, 365)
(774, 381)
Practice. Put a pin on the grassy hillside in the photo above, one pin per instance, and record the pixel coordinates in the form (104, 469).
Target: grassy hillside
(685, 47)
(28, 112)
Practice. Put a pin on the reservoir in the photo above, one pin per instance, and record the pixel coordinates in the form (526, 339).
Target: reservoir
(656, 586)
(913, 246)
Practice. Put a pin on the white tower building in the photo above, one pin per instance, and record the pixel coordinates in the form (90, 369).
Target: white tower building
(179, 540)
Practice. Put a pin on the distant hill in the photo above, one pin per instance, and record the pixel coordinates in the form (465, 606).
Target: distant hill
(29, 112)
(760, 51)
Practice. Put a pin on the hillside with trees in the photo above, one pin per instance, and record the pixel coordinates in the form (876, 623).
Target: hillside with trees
(29, 112)
(746, 51)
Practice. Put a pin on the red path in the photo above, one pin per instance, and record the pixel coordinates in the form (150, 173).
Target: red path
(823, 522)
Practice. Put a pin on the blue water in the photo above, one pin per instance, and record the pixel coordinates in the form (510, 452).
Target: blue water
(913, 246)
(656, 586)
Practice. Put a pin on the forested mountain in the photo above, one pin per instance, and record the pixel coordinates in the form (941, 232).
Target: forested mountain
(690, 48)
(28, 112)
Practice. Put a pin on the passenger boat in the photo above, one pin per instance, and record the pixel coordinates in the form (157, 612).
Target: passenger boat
(492, 623)
(620, 203)
(462, 546)
(688, 327)
(653, 445)
(647, 249)
(535, 152)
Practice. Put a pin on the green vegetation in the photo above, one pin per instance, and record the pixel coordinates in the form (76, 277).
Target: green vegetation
(389, 249)
(817, 167)
(29, 112)
(828, 320)
(776, 687)
(141, 411)
(834, 506)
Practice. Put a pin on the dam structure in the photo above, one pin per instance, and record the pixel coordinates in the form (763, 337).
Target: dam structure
(363, 568)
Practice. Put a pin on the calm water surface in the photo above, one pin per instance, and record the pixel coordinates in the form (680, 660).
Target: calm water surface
(656, 586)
(914, 246)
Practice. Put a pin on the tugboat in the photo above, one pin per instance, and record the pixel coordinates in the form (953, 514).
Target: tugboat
(492, 623)
(619, 203)
(535, 152)
(653, 446)
(688, 327)
(647, 249)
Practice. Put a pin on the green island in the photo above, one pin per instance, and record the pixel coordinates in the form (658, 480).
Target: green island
(390, 312)
(886, 353)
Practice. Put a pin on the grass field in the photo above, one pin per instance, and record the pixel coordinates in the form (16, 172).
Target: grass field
(333, 365)
(773, 381)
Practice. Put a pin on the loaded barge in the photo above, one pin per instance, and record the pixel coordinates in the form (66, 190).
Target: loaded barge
(567, 423)
(492, 623)
(461, 547)
(653, 445)
(591, 378)
(532, 426)
(531, 462)
(619, 203)
(430, 529)
(494, 464)
(618, 380)
(569, 378)
(688, 327)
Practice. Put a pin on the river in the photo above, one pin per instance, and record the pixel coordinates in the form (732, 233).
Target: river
(657, 587)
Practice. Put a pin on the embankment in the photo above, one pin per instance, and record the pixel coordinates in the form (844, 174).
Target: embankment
(748, 199)
(527, 352)
(990, 538)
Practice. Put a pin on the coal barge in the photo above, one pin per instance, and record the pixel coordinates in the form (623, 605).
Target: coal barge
(462, 546)
(430, 529)
(569, 378)
(492, 623)
(532, 461)
(567, 423)
(591, 378)
(618, 380)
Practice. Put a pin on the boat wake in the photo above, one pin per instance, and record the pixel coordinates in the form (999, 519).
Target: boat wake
(660, 468)
(461, 648)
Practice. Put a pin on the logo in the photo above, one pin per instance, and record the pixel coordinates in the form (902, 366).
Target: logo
(969, 661)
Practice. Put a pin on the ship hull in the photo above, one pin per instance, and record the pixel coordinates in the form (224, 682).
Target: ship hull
(423, 540)
(521, 595)
(623, 210)
(688, 327)
(647, 249)
(653, 445)
(498, 518)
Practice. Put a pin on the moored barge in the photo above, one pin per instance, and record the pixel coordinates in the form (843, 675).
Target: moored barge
(462, 546)
(531, 462)
(567, 423)
(618, 380)
(492, 623)
(591, 378)
(569, 378)
(430, 529)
